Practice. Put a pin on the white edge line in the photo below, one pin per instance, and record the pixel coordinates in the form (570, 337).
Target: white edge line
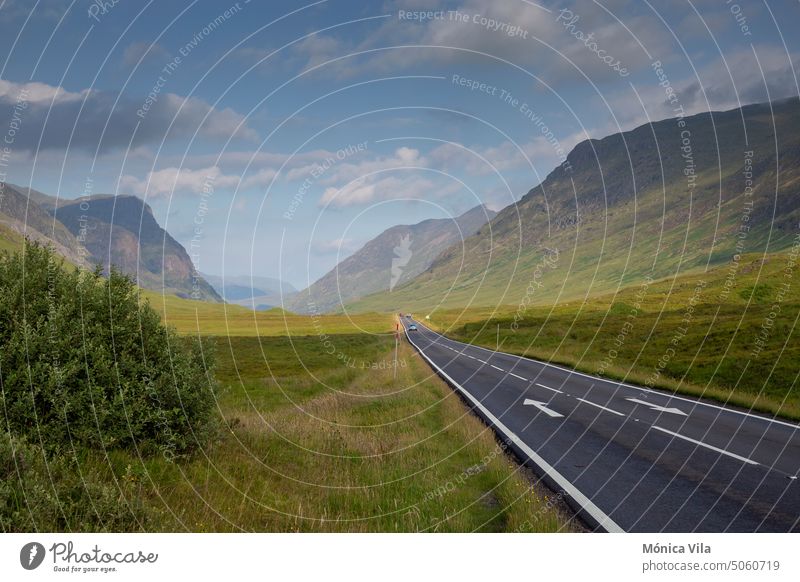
(599, 406)
(518, 376)
(712, 447)
(587, 504)
(659, 393)
(496, 368)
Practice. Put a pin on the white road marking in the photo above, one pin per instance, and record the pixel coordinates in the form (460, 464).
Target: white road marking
(496, 368)
(543, 407)
(518, 376)
(587, 504)
(481, 361)
(599, 406)
(548, 387)
(702, 444)
(651, 391)
(656, 407)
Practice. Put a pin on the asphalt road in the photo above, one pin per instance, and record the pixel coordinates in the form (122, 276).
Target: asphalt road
(630, 458)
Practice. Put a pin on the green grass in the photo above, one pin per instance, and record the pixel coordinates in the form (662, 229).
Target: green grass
(714, 358)
(10, 241)
(219, 319)
(329, 442)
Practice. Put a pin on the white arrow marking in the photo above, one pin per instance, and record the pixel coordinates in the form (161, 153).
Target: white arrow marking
(541, 406)
(654, 407)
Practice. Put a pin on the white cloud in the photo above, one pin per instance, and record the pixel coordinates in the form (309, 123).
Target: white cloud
(38, 93)
(101, 120)
(377, 188)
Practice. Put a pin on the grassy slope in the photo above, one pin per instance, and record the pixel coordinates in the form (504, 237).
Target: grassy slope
(312, 444)
(9, 240)
(714, 358)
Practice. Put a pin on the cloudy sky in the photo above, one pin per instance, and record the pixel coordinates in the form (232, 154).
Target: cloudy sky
(281, 136)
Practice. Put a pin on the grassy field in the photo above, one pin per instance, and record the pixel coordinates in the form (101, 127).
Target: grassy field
(730, 338)
(316, 441)
(219, 319)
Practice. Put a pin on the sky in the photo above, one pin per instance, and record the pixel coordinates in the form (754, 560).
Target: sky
(276, 138)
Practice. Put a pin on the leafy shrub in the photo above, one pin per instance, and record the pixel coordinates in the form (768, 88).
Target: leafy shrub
(83, 362)
(40, 492)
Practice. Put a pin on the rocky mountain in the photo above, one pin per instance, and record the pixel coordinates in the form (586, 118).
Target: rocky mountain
(105, 230)
(668, 197)
(258, 293)
(26, 217)
(392, 258)
(121, 230)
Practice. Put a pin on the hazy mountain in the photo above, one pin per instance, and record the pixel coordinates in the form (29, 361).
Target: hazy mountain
(666, 197)
(121, 230)
(395, 256)
(254, 292)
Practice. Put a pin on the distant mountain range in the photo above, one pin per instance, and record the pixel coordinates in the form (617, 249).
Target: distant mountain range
(389, 260)
(106, 230)
(671, 196)
(257, 293)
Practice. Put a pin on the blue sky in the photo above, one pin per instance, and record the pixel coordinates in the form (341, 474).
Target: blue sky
(275, 138)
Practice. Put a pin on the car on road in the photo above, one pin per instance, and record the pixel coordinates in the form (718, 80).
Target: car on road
(412, 328)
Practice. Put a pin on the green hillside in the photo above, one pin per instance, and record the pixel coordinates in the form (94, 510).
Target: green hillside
(673, 333)
(664, 199)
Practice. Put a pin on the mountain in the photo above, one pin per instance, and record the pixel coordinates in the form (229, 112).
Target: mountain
(121, 230)
(105, 230)
(255, 292)
(665, 198)
(27, 218)
(395, 256)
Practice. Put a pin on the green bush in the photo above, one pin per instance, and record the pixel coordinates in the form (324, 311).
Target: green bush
(83, 362)
(40, 492)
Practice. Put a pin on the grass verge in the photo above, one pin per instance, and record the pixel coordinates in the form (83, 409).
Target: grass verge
(694, 335)
(337, 439)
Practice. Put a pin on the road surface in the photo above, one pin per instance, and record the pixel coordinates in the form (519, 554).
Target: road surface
(628, 458)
